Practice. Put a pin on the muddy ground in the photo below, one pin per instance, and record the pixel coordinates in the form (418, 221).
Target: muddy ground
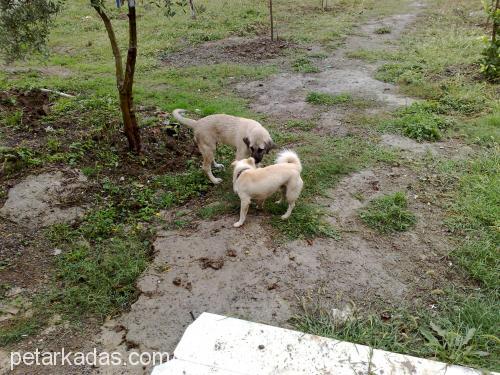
(213, 267)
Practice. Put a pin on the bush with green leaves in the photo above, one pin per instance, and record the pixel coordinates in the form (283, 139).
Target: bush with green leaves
(490, 63)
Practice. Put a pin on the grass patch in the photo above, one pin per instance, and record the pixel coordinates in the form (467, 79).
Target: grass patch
(483, 131)
(319, 98)
(388, 214)
(213, 210)
(304, 65)
(18, 330)
(302, 125)
(99, 278)
(366, 55)
(463, 330)
(418, 121)
(306, 221)
(474, 217)
(383, 30)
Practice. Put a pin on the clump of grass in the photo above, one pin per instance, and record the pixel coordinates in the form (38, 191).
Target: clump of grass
(400, 73)
(304, 65)
(418, 121)
(364, 54)
(18, 329)
(463, 331)
(475, 217)
(11, 119)
(383, 30)
(213, 210)
(483, 131)
(99, 278)
(306, 221)
(304, 125)
(388, 214)
(319, 98)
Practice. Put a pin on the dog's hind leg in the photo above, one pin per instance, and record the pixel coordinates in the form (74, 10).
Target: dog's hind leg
(245, 202)
(217, 165)
(293, 190)
(282, 194)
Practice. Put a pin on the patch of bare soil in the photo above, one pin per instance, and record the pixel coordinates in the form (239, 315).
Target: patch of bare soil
(229, 50)
(283, 95)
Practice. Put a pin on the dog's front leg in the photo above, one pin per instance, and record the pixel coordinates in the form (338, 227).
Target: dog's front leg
(245, 202)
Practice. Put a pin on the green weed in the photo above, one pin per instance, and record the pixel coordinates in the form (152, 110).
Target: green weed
(383, 30)
(304, 65)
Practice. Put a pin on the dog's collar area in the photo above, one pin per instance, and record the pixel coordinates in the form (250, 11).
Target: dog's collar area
(241, 171)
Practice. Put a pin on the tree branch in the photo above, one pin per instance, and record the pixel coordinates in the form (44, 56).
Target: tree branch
(114, 46)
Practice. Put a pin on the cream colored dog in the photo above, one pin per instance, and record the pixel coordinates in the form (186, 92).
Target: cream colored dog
(250, 182)
(248, 136)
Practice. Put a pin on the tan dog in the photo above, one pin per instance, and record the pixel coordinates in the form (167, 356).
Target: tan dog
(248, 136)
(250, 182)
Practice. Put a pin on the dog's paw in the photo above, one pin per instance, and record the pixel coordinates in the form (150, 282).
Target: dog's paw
(284, 217)
(237, 225)
(278, 201)
(219, 166)
(217, 181)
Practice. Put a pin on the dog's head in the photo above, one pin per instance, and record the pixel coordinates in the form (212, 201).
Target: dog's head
(259, 145)
(241, 165)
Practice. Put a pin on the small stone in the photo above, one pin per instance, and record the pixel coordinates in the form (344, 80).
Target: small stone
(177, 281)
(14, 291)
(57, 252)
(231, 253)
(6, 309)
(261, 347)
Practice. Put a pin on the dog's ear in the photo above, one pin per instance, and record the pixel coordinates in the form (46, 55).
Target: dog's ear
(247, 141)
(251, 161)
(270, 146)
(234, 163)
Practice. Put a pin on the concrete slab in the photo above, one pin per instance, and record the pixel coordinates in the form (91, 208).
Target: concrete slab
(215, 344)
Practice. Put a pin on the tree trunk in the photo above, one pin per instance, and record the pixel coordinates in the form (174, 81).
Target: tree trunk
(271, 18)
(125, 80)
(193, 10)
(495, 24)
(127, 103)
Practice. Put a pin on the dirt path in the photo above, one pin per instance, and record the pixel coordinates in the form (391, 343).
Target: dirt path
(242, 273)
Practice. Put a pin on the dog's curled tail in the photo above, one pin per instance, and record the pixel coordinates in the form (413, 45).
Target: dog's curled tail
(178, 114)
(289, 156)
